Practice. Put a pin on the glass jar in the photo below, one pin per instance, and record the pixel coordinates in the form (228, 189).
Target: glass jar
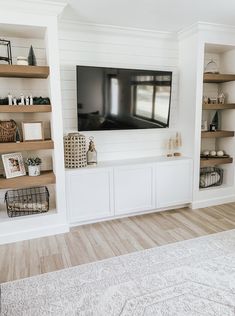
(211, 68)
(91, 153)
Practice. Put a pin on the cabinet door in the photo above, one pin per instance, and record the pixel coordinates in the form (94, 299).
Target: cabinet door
(133, 189)
(89, 194)
(173, 183)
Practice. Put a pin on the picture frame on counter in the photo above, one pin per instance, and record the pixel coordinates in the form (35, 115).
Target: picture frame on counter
(32, 131)
(13, 165)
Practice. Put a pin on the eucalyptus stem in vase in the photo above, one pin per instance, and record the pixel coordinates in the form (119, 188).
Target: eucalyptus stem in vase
(34, 166)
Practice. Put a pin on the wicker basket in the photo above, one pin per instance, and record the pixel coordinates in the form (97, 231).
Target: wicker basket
(210, 177)
(75, 150)
(27, 201)
(7, 131)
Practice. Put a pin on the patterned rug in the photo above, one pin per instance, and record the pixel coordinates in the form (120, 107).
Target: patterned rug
(193, 277)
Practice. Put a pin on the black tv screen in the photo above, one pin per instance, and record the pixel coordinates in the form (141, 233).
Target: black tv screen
(115, 99)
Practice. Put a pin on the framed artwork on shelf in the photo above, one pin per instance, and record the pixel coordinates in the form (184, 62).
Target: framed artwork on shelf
(32, 131)
(13, 165)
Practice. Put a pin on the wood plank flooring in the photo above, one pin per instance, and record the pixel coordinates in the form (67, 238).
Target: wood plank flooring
(98, 241)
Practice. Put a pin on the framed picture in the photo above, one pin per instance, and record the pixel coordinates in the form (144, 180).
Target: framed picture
(13, 165)
(32, 131)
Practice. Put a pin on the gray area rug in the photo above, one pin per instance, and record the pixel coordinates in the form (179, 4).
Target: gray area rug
(193, 277)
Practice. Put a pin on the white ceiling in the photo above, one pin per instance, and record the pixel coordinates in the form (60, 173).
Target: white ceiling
(161, 15)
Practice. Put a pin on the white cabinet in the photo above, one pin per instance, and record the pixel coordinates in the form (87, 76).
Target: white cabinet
(89, 194)
(173, 183)
(123, 188)
(133, 188)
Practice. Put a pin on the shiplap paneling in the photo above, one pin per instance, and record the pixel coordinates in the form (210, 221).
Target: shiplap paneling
(84, 45)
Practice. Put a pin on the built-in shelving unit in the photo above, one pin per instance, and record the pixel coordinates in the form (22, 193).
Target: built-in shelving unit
(25, 108)
(18, 71)
(215, 85)
(39, 72)
(25, 27)
(46, 177)
(217, 134)
(24, 146)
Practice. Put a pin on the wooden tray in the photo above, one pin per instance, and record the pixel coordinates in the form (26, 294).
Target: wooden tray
(209, 157)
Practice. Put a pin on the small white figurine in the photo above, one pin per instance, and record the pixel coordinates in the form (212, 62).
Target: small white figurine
(14, 101)
(30, 100)
(22, 99)
(9, 99)
(26, 100)
(221, 98)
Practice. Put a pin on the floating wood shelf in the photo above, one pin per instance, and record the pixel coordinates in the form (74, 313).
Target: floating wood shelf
(218, 78)
(218, 106)
(22, 146)
(204, 162)
(217, 134)
(46, 177)
(18, 71)
(24, 108)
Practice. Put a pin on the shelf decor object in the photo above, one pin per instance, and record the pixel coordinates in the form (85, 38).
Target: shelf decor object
(13, 165)
(32, 131)
(22, 60)
(211, 67)
(211, 176)
(7, 45)
(33, 166)
(91, 153)
(177, 144)
(214, 126)
(7, 131)
(214, 154)
(27, 201)
(75, 150)
(31, 57)
(170, 145)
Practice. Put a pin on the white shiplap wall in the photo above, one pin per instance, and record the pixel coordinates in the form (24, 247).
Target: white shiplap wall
(82, 44)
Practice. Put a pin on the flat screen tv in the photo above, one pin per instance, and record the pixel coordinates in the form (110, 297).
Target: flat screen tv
(116, 99)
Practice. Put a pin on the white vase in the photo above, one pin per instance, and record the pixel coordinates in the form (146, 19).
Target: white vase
(34, 171)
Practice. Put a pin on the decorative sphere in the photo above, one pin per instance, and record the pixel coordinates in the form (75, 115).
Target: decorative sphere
(212, 153)
(220, 153)
(206, 153)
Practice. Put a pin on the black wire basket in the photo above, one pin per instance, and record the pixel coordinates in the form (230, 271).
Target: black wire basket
(27, 201)
(210, 177)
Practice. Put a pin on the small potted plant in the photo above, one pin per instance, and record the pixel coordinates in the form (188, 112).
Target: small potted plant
(33, 166)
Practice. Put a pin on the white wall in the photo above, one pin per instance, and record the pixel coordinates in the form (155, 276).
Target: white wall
(117, 47)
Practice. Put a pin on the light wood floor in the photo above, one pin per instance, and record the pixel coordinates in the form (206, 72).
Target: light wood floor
(107, 239)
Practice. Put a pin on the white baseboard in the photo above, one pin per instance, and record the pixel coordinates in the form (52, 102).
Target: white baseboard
(34, 233)
(113, 217)
(213, 201)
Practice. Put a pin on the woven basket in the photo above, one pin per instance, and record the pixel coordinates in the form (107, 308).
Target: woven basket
(75, 150)
(7, 131)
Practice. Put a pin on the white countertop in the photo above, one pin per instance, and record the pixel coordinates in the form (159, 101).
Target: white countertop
(133, 161)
